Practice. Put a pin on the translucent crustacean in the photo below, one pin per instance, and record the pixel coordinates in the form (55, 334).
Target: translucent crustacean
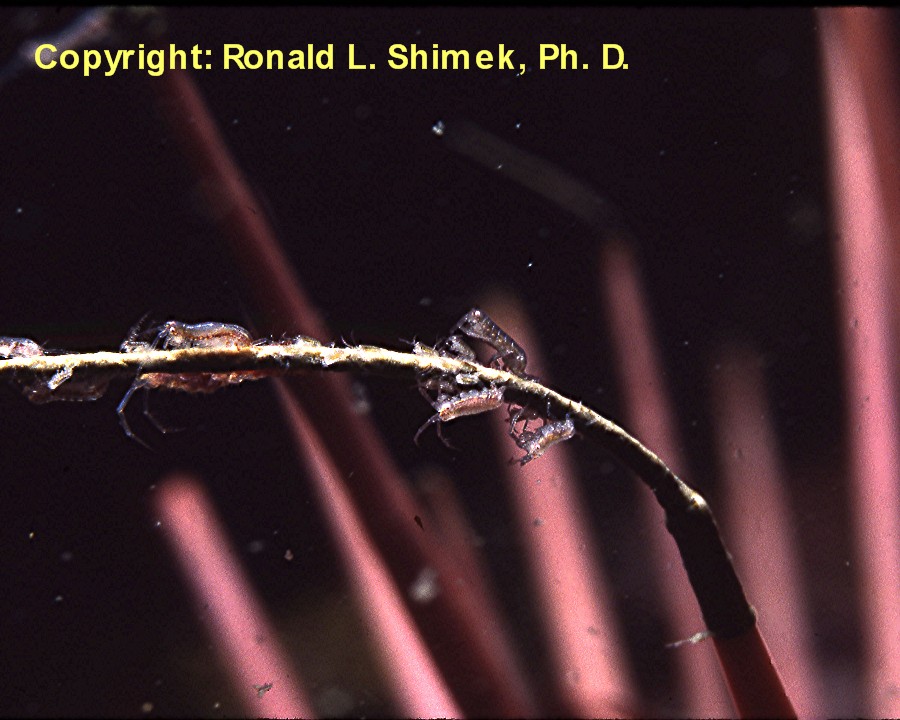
(175, 335)
(476, 324)
(536, 442)
(59, 386)
(11, 347)
(469, 402)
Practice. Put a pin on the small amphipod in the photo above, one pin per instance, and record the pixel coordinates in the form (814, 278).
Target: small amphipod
(454, 346)
(176, 335)
(476, 324)
(11, 347)
(470, 402)
(536, 442)
(59, 386)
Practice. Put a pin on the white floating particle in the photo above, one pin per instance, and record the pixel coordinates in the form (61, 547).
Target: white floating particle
(425, 588)
(256, 546)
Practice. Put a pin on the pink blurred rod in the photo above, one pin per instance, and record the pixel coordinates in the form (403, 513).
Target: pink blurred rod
(872, 48)
(862, 249)
(419, 689)
(756, 507)
(649, 412)
(574, 601)
(446, 518)
(262, 677)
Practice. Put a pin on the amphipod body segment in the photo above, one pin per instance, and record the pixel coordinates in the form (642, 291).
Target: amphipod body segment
(470, 402)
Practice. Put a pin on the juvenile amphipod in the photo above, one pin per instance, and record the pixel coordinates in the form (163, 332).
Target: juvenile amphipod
(536, 442)
(175, 335)
(470, 402)
(59, 386)
(11, 347)
(296, 340)
(454, 346)
(476, 324)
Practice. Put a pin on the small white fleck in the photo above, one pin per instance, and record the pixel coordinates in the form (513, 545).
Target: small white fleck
(19, 210)
(425, 588)
(58, 598)
(254, 547)
(438, 128)
(147, 707)
(361, 403)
